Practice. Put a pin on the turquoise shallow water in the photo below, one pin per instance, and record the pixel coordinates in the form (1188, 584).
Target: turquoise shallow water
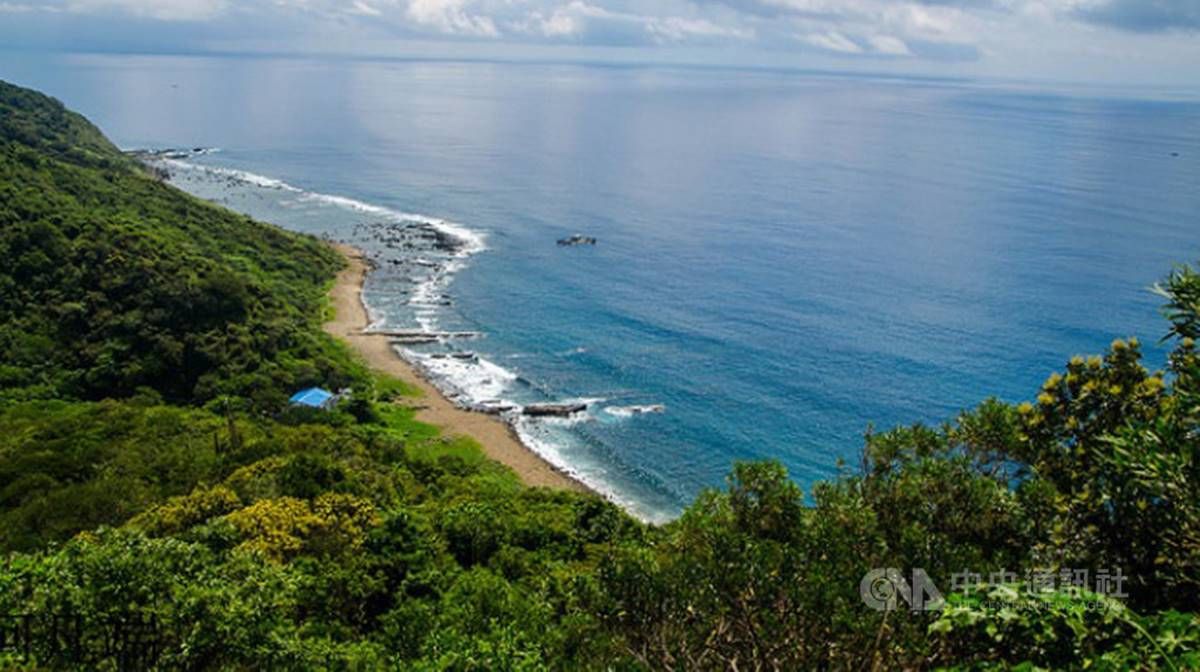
(783, 258)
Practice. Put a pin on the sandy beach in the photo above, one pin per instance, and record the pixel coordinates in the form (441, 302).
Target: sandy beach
(493, 434)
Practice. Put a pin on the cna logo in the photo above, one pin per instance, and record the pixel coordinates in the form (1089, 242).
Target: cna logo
(885, 589)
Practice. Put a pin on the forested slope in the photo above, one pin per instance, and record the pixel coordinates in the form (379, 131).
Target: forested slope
(114, 281)
(157, 496)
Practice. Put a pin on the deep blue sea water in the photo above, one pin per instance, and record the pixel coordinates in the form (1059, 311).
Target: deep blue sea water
(783, 257)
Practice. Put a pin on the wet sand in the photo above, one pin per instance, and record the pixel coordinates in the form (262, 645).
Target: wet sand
(498, 440)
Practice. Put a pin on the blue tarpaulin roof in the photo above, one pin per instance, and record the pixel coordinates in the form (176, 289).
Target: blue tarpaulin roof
(313, 396)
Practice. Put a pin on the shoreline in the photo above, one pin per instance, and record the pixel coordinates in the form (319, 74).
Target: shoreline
(496, 438)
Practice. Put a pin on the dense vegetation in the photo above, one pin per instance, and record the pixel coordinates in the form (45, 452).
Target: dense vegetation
(151, 476)
(114, 282)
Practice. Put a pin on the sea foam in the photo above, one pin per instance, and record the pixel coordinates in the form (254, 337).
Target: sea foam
(630, 411)
(472, 241)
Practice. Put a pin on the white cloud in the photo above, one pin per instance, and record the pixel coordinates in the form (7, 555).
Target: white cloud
(558, 24)
(20, 8)
(581, 19)
(1004, 37)
(888, 45)
(451, 18)
(676, 29)
(930, 23)
(833, 41)
(165, 10)
(363, 9)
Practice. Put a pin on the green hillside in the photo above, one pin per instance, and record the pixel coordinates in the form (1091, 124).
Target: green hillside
(161, 508)
(41, 123)
(118, 282)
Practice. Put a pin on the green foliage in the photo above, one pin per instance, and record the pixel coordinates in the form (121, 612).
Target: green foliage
(349, 547)
(150, 470)
(114, 281)
(999, 626)
(68, 467)
(42, 123)
(1109, 444)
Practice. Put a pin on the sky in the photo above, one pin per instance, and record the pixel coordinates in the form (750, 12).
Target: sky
(1155, 42)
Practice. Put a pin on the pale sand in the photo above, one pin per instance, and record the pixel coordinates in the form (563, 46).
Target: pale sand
(493, 434)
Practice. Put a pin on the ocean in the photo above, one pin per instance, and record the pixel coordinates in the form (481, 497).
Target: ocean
(783, 258)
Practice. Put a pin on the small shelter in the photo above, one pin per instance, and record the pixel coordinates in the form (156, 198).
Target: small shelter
(314, 397)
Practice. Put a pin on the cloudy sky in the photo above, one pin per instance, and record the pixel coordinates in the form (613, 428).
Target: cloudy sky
(1118, 41)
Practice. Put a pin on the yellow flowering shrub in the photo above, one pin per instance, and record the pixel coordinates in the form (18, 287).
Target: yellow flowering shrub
(179, 513)
(257, 481)
(276, 528)
(345, 521)
(283, 527)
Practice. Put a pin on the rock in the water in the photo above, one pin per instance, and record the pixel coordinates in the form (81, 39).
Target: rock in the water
(553, 410)
(576, 239)
(650, 408)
